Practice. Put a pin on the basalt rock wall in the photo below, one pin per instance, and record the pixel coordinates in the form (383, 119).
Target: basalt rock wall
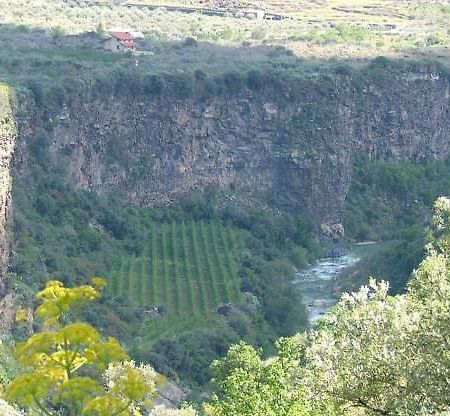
(288, 146)
(7, 143)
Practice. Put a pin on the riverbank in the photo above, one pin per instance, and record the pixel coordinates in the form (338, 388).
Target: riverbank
(322, 284)
(317, 284)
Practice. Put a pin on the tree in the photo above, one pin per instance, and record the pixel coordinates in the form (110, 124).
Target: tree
(373, 354)
(72, 370)
(247, 385)
(356, 357)
(390, 355)
(429, 292)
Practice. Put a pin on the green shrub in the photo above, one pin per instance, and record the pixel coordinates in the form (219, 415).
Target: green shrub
(255, 79)
(183, 85)
(200, 75)
(153, 84)
(233, 81)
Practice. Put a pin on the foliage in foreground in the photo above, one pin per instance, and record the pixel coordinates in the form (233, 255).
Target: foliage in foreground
(373, 354)
(71, 369)
(247, 385)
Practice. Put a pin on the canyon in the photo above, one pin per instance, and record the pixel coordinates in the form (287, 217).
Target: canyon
(286, 146)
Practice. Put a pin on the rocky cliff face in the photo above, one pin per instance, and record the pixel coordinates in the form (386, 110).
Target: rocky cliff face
(289, 146)
(7, 141)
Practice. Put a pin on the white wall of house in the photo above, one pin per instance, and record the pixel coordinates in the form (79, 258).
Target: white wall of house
(113, 45)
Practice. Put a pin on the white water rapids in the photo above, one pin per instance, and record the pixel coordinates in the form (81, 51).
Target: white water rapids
(316, 284)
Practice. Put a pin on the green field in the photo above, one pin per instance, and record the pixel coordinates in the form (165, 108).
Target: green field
(188, 268)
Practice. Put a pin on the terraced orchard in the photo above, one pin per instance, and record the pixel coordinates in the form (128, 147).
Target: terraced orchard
(189, 268)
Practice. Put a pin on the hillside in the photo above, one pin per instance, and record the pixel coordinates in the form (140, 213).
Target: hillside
(274, 135)
(332, 28)
(199, 178)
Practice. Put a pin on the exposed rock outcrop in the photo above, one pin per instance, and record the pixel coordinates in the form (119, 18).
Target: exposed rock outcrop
(7, 142)
(169, 394)
(289, 146)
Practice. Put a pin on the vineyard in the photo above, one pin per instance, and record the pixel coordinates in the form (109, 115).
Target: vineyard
(188, 269)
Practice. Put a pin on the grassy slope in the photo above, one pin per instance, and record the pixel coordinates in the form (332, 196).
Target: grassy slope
(315, 29)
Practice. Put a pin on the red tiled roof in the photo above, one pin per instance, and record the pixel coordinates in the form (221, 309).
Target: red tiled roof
(129, 43)
(122, 35)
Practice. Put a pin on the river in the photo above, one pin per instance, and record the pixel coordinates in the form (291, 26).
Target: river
(317, 284)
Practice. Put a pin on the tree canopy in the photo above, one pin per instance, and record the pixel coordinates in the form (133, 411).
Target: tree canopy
(372, 354)
(389, 354)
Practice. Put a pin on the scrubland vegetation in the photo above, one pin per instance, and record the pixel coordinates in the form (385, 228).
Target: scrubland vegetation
(312, 28)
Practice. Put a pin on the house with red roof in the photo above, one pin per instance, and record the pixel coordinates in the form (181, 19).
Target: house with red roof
(121, 42)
